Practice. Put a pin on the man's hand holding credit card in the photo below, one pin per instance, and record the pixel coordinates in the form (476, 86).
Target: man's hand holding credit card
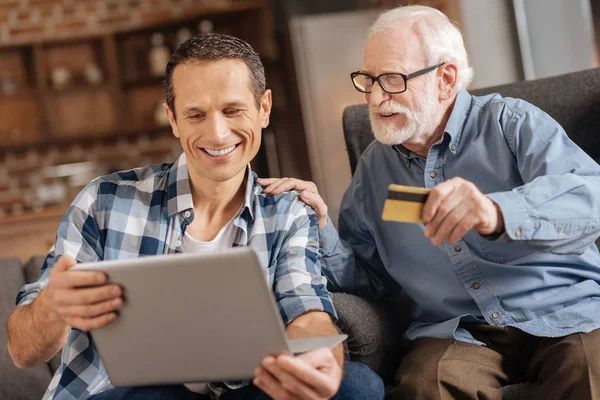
(465, 208)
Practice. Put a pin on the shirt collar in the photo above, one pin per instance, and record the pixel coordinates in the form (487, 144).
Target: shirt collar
(180, 192)
(458, 118)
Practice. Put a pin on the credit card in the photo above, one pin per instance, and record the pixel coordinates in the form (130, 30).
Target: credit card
(405, 204)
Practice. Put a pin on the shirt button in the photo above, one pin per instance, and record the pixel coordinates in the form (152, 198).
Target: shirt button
(518, 232)
(457, 249)
(453, 148)
(187, 214)
(495, 315)
(320, 243)
(475, 285)
(433, 174)
(178, 243)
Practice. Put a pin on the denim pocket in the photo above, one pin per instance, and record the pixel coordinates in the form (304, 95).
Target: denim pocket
(502, 252)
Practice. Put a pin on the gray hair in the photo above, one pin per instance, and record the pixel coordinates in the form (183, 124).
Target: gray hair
(214, 47)
(442, 41)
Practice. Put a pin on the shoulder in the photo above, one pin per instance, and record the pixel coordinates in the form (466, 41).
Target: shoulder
(504, 106)
(105, 190)
(283, 210)
(147, 179)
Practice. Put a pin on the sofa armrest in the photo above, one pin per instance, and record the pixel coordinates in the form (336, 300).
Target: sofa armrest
(374, 330)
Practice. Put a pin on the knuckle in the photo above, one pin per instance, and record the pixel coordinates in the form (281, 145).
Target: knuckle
(444, 209)
(453, 219)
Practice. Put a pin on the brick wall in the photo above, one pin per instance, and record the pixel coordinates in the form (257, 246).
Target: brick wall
(25, 21)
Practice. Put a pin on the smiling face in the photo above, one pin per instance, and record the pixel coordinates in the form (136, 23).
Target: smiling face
(407, 116)
(217, 119)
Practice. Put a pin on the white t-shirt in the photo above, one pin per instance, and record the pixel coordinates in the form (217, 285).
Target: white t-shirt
(223, 240)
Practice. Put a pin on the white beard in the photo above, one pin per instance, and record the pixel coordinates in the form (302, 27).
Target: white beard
(418, 121)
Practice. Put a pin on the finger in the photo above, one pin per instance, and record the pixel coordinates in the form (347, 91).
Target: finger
(94, 310)
(309, 372)
(294, 184)
(451, 201)
(266, 181)
(268, 384)
(450, 222)
(288, 381)
(73, 279)
(273, 185)
(461, 229)
(286, 186)
(88, 296)
(88, 324)
(436, 198)
(64, 263)
(315, 201)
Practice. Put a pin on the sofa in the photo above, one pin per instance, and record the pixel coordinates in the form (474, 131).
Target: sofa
(375, 327)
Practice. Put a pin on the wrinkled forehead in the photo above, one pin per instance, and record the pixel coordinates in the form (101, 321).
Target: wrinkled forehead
(396, 49)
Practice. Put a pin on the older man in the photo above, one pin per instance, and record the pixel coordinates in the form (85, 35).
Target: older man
(217, 104)
(504, 274)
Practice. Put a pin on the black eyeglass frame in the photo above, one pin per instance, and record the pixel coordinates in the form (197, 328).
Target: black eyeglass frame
(404, 77)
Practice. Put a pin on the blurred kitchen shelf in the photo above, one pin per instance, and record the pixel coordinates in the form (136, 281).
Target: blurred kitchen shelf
(127, 98)
(150, 81)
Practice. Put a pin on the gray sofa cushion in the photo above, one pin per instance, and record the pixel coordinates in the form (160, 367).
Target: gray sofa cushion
(30, 383)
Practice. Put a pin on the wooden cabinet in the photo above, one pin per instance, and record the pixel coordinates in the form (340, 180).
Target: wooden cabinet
(46, 95)
(29, 235)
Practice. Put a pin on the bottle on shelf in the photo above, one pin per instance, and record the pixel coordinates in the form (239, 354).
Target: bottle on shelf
(93, 74)
(183, 34)
(160, 115)
(61, 77)
(159, 55)
(8, 84)
(206, 26)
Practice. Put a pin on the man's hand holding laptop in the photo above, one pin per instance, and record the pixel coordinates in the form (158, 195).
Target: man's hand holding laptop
(316, 374)
(79, 298)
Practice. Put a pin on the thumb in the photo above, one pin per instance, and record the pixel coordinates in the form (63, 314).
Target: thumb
(65, 262)
(318, 358)
(315, 202)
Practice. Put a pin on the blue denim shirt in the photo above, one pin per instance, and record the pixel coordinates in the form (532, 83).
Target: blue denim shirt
(542, 276)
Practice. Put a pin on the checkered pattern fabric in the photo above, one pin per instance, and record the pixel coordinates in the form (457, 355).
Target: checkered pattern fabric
(145, 211)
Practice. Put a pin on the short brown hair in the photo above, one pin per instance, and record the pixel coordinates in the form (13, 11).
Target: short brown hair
(214, 47)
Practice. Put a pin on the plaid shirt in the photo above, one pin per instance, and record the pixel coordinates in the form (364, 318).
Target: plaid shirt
(145, 211)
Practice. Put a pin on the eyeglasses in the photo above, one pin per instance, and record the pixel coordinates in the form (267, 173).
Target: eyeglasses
(391, 82)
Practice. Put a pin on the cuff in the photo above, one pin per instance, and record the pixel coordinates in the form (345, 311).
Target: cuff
(517, 221)
(292, 307)
(328, 239)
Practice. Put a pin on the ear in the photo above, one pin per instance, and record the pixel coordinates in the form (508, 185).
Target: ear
(172, 120)
(266, 102)
(447, 84)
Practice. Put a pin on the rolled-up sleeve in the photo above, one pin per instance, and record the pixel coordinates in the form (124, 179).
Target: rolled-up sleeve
(298, 284)
(78, 236)
(558, 207)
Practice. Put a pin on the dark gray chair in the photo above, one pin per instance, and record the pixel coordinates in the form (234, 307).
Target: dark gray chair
(375, 328)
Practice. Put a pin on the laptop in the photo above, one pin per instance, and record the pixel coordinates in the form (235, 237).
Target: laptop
(193, 318)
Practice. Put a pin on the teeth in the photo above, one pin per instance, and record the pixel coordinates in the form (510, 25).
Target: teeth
(220, 153)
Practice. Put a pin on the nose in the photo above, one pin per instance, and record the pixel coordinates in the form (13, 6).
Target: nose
(218, 127)
(377, 95)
